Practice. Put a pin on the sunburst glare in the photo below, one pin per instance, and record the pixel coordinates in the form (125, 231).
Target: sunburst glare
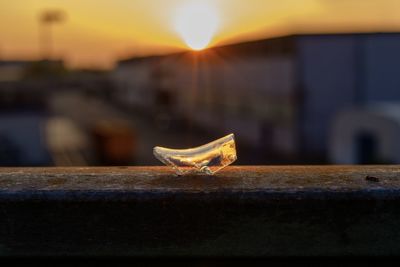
(196, 23)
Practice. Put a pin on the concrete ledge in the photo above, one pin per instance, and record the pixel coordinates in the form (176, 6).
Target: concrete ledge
(243, 211)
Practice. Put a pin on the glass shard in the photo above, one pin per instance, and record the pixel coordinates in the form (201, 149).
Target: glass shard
(208, 158)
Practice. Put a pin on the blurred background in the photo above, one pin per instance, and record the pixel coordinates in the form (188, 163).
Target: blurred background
(100, 82)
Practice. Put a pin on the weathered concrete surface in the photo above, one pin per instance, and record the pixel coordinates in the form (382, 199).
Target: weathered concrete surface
(242, 211)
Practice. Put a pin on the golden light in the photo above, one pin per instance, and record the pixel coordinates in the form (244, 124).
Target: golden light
(196, 22)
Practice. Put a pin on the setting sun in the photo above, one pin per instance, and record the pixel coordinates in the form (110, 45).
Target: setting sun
(196, 23)
(125, 28)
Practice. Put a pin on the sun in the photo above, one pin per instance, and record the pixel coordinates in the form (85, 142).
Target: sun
(196, 22)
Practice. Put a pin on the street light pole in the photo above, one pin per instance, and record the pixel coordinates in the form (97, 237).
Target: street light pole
(47, 19)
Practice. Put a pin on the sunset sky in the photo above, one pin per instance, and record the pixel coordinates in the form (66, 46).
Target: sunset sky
(98, 32)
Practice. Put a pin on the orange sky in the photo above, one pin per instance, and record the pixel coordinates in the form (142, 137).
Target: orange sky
(97, 32)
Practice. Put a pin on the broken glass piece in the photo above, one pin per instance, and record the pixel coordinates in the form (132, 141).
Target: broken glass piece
(208, 158)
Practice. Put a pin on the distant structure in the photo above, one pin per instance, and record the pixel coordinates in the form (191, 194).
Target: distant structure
(18, 70)
(12, 70)
(47, 19)
(280, 94)
(24, 86)
(365, 135)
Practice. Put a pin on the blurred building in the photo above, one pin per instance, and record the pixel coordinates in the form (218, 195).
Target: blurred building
(366, 135)
(280, 94)
(13, 70)
(33, 131)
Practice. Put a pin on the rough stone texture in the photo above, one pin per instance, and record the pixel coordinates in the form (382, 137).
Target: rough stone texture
(242, 211)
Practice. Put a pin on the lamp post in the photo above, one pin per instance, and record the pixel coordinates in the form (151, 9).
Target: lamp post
(46, 19)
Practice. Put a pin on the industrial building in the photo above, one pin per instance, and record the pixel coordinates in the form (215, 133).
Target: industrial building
(281, 94)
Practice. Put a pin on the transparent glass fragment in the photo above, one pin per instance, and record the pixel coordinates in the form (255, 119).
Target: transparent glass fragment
(208, 158)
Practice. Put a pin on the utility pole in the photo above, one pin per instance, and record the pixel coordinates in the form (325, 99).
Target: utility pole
(47, 19)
